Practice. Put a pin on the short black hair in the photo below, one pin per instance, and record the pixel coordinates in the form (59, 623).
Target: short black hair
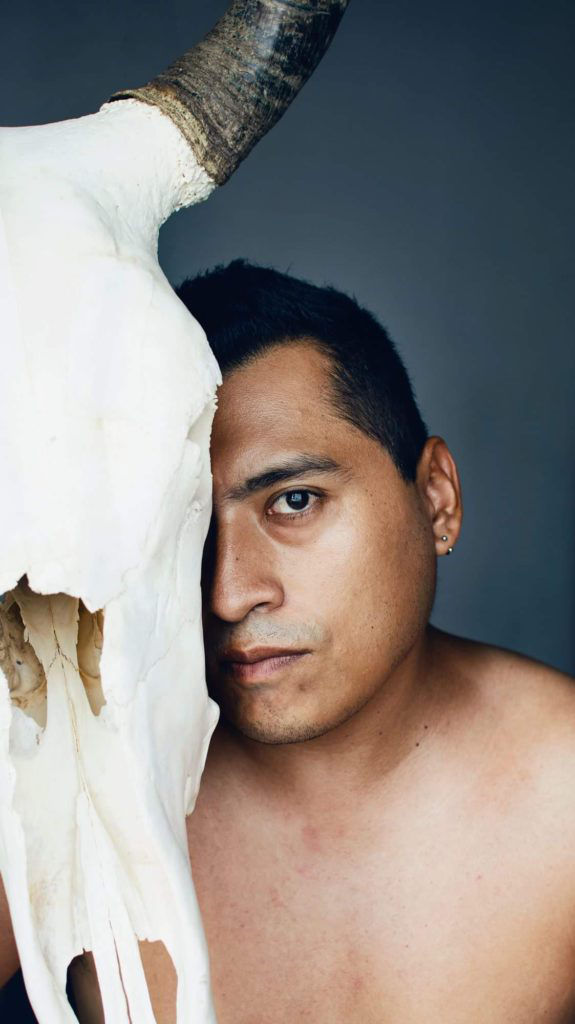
(246, 309)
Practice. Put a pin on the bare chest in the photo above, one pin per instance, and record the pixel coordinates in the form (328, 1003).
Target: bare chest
(427, 923)
(405, 929)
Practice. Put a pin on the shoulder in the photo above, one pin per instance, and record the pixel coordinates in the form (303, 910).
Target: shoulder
(517, 742)
(523, 712)
(515, 738)
(515, 683)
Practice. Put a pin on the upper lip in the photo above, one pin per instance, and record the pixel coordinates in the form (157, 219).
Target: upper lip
(257, 654)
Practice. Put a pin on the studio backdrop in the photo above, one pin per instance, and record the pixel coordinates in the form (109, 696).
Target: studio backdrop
(428, 170)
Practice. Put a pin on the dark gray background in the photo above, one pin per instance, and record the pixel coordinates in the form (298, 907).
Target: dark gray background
(427, 168)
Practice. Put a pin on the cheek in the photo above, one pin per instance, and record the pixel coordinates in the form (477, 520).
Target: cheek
(367, 577)
(327, 568)
(338, 575)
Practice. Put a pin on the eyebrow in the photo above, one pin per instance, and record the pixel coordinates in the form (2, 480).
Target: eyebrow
(298, 466)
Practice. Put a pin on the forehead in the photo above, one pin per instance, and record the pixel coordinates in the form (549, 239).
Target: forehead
(280, 403)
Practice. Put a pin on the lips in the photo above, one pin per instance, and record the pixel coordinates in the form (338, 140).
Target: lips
(258, 663)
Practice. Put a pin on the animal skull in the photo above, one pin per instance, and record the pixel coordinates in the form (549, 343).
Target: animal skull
(107, 395)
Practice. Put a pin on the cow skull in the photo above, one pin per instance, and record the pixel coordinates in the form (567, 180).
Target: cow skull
(107, 393)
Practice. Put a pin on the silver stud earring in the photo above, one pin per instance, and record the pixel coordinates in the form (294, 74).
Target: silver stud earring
(449, 550)
(444, 537)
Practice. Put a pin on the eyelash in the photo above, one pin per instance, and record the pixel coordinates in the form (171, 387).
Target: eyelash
(294, 515)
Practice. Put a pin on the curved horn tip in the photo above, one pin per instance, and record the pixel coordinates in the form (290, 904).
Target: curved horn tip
(232, 87)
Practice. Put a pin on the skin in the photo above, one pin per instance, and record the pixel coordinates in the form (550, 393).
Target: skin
(385, 826)
(297, 579)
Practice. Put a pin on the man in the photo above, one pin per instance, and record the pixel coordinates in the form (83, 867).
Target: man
(385, 827)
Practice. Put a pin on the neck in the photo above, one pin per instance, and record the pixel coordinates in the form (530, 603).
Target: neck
(352, 762)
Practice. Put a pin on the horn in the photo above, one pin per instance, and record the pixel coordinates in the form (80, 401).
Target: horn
(232, 87)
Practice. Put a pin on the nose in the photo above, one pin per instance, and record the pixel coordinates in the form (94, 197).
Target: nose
(238, 575)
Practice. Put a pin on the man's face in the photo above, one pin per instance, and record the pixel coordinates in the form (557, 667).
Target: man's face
(320, 567)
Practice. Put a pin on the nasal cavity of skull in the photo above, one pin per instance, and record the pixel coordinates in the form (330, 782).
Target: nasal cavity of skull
(21, 667)
(89, 649)
(19, 661)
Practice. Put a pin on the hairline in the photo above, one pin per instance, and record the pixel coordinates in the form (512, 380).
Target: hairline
(323, 349)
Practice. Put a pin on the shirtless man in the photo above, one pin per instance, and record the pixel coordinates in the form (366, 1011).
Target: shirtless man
(385, 831)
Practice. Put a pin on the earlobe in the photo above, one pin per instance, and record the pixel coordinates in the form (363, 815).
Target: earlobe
(440, 489)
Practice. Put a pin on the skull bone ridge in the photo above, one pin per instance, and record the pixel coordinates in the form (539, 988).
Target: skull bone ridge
(107, 400)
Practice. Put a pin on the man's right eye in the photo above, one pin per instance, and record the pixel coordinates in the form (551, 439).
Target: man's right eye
(294, 503)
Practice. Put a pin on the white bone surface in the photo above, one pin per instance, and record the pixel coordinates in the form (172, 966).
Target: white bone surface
(107, 392)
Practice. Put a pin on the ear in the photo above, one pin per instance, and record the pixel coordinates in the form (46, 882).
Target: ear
(440, 490)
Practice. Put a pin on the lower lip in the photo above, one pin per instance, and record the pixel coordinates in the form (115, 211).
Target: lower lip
(257, 670)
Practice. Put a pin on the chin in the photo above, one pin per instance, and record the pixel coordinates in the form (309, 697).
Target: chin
(277, 731)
